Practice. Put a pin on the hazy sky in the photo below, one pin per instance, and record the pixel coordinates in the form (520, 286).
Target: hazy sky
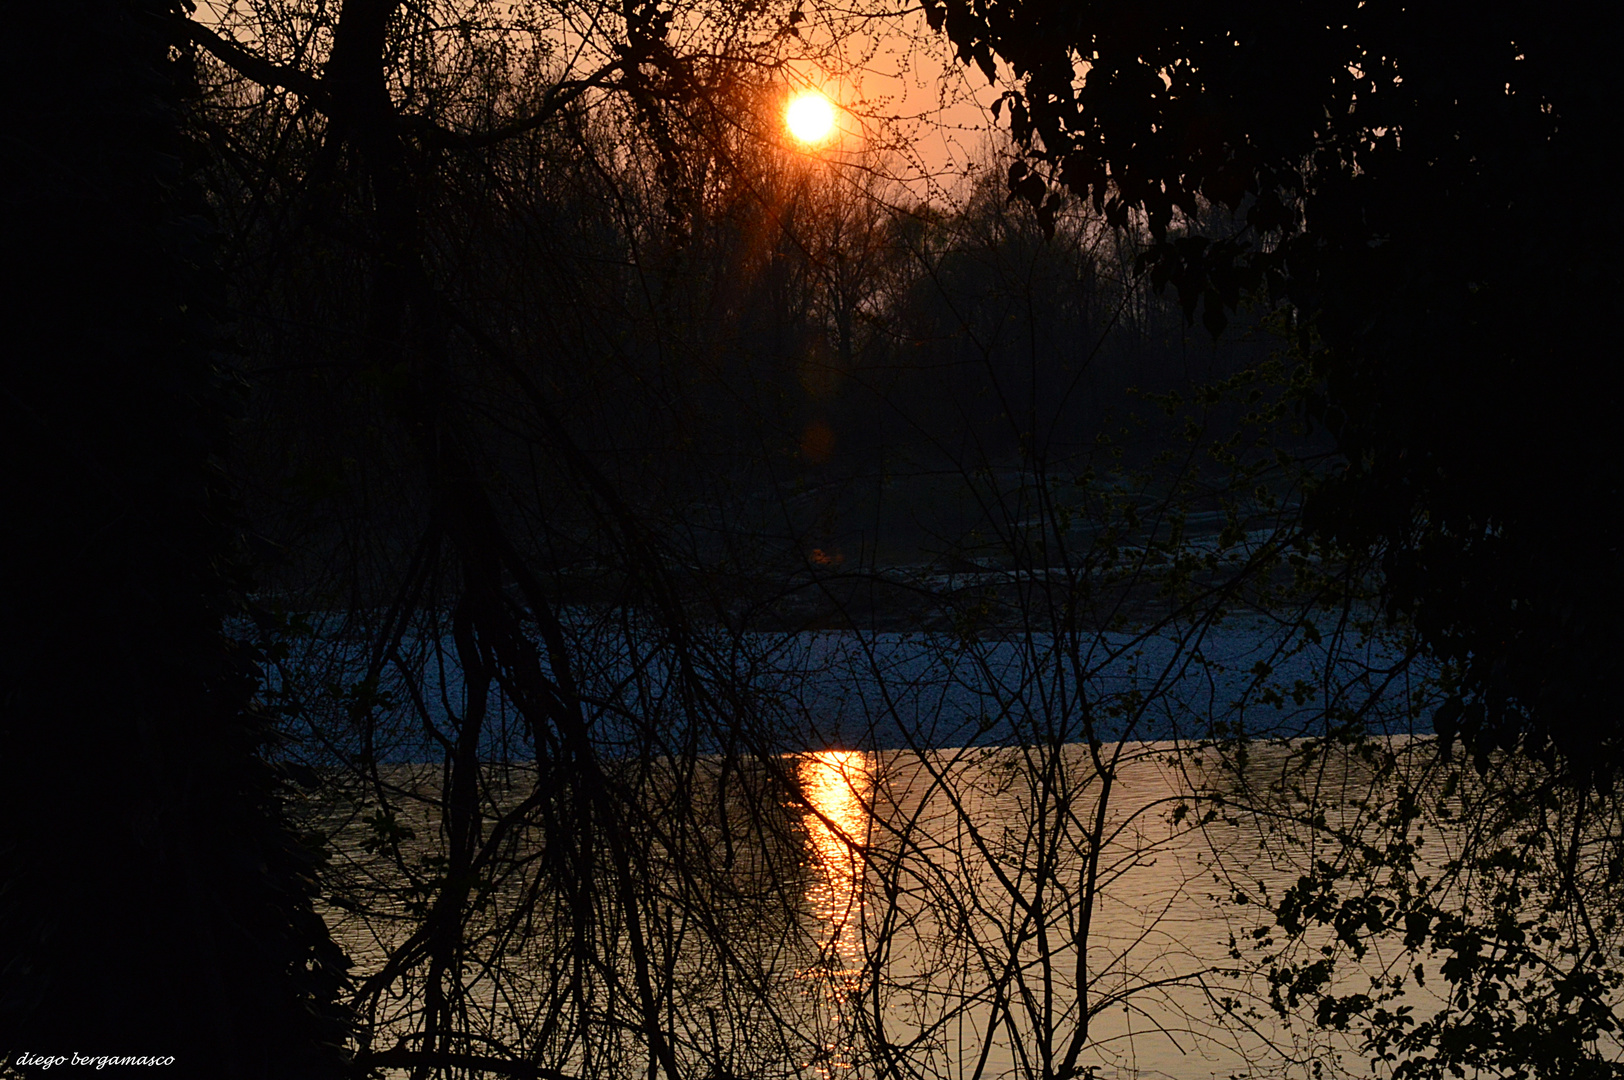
(903, 93)
(909, 109)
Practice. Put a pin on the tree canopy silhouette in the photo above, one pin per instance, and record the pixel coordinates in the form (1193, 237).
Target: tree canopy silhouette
(152, 900)
(1422, 191)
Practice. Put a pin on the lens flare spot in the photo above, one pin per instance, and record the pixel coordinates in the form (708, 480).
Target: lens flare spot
(817, 442)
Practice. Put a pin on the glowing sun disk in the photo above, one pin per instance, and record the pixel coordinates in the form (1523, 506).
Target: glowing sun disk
(810, 116)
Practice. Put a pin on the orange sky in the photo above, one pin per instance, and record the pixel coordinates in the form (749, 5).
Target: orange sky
(910, 111)
(903, 93)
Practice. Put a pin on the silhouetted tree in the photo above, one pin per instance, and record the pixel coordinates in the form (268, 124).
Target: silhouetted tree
(152, 901)
(1423, 193)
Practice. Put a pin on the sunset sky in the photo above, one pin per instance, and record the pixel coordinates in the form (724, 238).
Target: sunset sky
(900, 89)
(906, 106)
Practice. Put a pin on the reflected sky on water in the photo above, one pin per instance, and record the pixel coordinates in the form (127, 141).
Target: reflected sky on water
(947, 891)
(947, 930)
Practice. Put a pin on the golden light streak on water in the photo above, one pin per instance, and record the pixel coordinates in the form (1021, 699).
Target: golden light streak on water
(837, 784)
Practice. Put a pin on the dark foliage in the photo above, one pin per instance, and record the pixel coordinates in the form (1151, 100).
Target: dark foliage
(1423, 191)
(152, 902)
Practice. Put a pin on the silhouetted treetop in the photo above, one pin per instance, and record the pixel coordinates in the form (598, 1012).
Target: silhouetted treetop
(1421, 191)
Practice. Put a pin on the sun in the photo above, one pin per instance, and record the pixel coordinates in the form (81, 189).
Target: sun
(810, 117)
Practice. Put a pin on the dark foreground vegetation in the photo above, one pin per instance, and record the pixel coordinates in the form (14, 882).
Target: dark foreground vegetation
(435, 433)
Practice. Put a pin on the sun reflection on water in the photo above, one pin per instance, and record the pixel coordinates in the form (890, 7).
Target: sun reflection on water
(837, 785)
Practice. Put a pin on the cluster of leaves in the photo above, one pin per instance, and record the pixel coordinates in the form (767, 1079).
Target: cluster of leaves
(1454, 923)
(1419, 193)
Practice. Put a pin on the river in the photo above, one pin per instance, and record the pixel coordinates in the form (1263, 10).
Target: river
(886, 855)
(951, 913)
(953, 897)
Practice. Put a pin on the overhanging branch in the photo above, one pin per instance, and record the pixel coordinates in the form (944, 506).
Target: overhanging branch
(253, 66)
(276, 76)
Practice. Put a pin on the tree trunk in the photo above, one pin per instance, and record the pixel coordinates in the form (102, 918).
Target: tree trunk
(152, 899)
